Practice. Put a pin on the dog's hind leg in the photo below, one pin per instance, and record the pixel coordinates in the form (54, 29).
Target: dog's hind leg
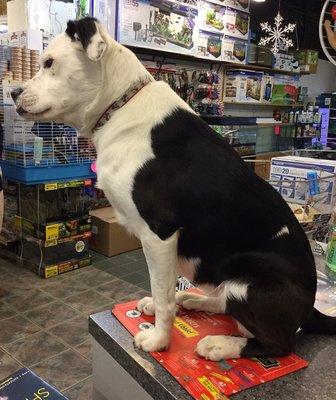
(197, 302)
(272, 312)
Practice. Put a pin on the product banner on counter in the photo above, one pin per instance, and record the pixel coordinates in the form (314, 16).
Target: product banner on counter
(204, 379)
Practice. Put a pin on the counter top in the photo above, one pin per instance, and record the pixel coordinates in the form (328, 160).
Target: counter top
(315, 382)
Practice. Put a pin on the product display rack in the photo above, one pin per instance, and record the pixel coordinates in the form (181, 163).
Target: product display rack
(271, 105)
(298, 140)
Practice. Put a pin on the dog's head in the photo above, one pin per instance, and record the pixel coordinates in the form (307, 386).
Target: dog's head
(69, 78)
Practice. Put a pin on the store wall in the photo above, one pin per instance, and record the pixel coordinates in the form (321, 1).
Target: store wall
(322, 82)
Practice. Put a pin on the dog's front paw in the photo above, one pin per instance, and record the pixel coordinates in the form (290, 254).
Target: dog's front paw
(146, 306)
(152, 340)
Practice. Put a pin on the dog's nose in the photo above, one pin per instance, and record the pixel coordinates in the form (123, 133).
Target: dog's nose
(16, 93)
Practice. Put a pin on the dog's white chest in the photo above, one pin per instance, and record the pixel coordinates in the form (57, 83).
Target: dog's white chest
(117, 165)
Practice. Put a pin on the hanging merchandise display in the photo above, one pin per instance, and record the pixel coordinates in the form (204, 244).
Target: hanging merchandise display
(199, 87)
(276, 35)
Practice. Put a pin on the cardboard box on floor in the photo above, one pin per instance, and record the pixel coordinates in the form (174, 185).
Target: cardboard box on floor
(108, 237)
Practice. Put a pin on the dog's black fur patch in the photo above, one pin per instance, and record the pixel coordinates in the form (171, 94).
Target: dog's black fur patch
(229, 218)
(84, 29)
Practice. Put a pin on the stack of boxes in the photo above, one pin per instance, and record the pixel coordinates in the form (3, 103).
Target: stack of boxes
(19, 64)
(55, 226)
(244, 86)
(16, 64)
(34, 62)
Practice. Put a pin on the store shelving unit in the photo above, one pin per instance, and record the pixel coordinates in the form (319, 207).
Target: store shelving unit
(269, 105)
(156, 54)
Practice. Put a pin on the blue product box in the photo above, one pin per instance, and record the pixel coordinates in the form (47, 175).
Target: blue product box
(25, 385)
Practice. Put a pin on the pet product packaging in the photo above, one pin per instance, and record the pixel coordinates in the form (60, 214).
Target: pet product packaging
(237, 23)
(267, 87)
(259, 55)
(234, 50)
(308, 60)
(286, 62)
(209, 45)
(203, 379)
(285, 89)
(24, 384)
(212, 17)
(242, 86)
(108, 237)
(48, 261)
(289, 176)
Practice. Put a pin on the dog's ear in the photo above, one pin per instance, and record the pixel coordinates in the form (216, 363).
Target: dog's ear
(87, 31)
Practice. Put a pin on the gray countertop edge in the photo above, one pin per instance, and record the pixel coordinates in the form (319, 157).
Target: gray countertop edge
(317, 382)
(118, 342)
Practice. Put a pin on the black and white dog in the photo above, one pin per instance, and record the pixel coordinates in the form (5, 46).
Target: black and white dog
(197, 208)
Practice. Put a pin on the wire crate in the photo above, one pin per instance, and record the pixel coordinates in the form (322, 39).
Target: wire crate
(36, 152)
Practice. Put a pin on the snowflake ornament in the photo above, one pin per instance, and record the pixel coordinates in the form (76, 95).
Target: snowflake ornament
(277, 34)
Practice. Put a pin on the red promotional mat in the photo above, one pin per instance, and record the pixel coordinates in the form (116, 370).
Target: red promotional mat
(206, 380)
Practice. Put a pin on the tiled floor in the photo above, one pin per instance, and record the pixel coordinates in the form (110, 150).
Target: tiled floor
(44, 323)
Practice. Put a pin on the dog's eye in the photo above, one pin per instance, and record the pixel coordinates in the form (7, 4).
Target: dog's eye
(48, 63)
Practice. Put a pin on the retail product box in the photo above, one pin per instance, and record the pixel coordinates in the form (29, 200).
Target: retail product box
(289, 177)
(26, 39)
(108, 237)
(49, 271)
(54, 211)
(242, 86)
(51, 261)
(24, 384)
(55, 232)
(267, 88)
(209, 45)
(285, 89)
(286, 62)
(212, 17)
(308, 60)
(234, 50)
(259, 55)
(237, 23)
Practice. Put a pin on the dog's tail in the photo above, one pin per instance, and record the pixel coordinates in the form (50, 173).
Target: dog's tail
(320, 323)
